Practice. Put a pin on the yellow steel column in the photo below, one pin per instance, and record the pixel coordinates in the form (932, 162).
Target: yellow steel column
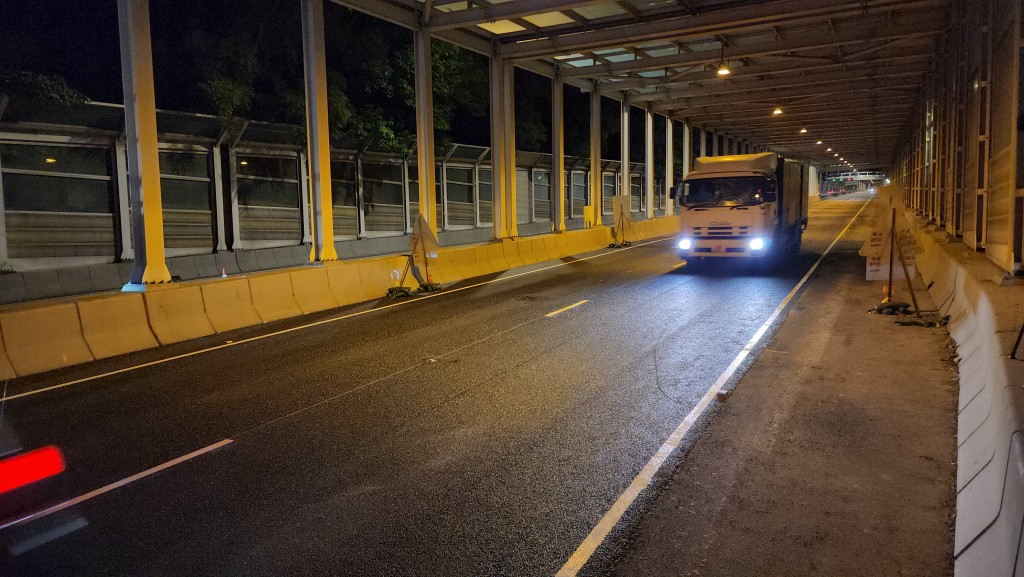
(425, 162)
(141, 143)
(624, 169)
(508, 98)
(649, 163)
(318, 140)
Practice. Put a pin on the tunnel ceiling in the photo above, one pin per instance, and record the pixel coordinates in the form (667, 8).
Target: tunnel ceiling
(849, 72)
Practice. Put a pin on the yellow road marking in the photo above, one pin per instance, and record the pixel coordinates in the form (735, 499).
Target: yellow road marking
(684, 263)
(604, 526)
(562, 310)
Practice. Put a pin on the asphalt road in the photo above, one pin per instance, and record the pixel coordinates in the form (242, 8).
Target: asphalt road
(463, 434)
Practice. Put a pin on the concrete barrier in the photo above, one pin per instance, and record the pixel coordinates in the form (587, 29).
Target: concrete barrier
(496, 257)
(272, 296)
(176, 313)
(526, 251)
(312, 290)
(43, 338)
(115, 325)
(346, 284)
(376, 277)
(512, 256)
(6, 368)
(228, 304)
(984, 319)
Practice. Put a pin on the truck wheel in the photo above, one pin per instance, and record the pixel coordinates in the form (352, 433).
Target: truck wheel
(794, 247)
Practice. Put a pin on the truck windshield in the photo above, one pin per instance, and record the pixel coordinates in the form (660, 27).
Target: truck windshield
(727, 191)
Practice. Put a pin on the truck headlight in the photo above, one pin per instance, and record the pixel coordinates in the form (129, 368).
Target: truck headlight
(756, 244)
(685, 244)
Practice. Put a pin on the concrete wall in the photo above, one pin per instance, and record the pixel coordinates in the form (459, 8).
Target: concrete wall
(986, 309)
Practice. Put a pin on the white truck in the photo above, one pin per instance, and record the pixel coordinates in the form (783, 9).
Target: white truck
(745, 205)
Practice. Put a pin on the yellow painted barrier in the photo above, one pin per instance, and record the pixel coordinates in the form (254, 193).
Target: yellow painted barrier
(312, 290)
(512, 256)
(346, 284)
(43, 338)
(116, 325)
(562, 244)
(229, 304)
(6, 368)
(496, 256)
(177, 313)
(551, 246)
(272, 296)
(444, 269)
(526, 251)
(376, 276)
(465, 262)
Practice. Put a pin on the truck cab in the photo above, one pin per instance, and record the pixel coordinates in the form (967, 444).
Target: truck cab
(741, 206)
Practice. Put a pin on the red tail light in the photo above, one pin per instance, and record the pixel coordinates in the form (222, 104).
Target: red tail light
(27, 468)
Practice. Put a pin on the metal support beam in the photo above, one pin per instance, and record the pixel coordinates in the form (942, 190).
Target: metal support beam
(503, 143)
(141, 143)
(624, 170)
(558, 152)
(426, 172)
(318, 142)
(596, 178)
(670, 165)
(649, 163)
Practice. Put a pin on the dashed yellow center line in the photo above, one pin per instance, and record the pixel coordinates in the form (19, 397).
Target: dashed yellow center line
(562, 310)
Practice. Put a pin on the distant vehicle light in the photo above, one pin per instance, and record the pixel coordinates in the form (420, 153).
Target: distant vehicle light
(756, 244)
(685, 244)
(27, 468)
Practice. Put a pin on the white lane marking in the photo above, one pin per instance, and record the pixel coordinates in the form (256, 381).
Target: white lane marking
(114, 485)
(600, 532)
(563, 309)
(310, 325)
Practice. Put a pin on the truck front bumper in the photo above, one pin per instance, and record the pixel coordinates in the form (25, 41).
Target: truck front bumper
(746, 247)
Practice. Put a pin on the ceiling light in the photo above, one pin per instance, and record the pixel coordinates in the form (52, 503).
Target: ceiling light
(836, 154)
(803, 131)
(828, 149)
(244, 163)
(819, 142)
(51, 160)
(777, 111)
(723, 69)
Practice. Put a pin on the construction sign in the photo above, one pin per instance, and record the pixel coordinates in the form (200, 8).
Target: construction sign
(890, 224)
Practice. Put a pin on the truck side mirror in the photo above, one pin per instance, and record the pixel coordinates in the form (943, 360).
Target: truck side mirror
(770, 197)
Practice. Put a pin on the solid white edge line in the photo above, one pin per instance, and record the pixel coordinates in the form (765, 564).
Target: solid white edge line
(563, 309)
(115, 485)
(645, 477)
(314, 324)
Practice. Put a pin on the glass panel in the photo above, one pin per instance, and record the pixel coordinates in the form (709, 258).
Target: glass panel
(56, 194)
(458, 192)
(267, 193)
(343, 183)
(66, 159)
(375, 192)
(268, 167)
(184, 164)
(185, 194)
(463, 175)
(484, 186)
(382, 171)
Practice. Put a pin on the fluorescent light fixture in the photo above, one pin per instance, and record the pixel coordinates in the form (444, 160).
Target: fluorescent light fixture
(777, 111)
(723, 69)
(819, 142)
(803, 131)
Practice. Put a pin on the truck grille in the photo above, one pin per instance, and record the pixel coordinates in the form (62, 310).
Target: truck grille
(721, 231)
